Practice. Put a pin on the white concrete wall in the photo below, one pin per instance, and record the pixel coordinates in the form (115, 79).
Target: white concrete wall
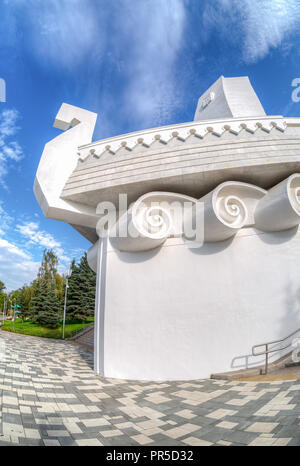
(232, 98)
(57, 163)
(179, 313)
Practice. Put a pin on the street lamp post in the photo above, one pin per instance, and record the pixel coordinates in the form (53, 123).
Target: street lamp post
(68, 275)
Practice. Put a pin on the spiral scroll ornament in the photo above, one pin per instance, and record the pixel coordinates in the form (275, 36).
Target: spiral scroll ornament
(232, 210)
(154, 221)
(228, 208)
(279, 210)
(231, 206)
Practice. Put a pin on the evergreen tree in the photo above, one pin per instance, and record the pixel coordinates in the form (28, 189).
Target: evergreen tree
(24, 301)
(73, 298)
(48, 267)
(43, 300)
(87, 288)
(45, 304)
(35, 300)
(2, 295)
(60, 283)
(81, 292)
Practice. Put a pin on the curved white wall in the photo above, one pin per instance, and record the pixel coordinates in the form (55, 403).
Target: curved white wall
(179, 313)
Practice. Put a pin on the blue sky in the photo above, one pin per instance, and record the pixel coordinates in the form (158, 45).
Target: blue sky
(138, 64)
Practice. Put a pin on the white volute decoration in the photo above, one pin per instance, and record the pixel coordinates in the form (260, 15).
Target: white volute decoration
(280, 208)
(152, 219)
(232, 205)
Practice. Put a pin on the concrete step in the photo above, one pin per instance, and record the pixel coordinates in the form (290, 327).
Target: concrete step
(85, 338)
(292, 364)
(275, 366)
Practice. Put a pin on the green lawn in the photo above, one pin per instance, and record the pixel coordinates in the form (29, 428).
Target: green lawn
(28, 328)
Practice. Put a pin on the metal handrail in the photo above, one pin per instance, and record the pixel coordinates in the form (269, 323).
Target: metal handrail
(268, 351)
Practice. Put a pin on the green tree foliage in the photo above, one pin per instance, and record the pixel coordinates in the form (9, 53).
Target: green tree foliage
(87, 287)
(73, 301)
(48, 267)
(45, 303)
(25, 297)
(2, 300)
(81, 291)
(42, 301)
(60, 283)
(2, 295)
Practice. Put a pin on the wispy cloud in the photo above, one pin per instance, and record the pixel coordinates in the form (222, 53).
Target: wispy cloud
(21, 248)
(139, 39)
(16, 266)
(13, 249)
(30, 230)
(5, 219)
(63, 31)
(131, 51)
(258, 26)
(153, 92)
(10, 149)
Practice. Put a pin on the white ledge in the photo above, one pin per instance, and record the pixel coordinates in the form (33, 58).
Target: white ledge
(182, 131)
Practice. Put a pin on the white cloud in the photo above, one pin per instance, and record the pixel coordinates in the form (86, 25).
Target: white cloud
(21, 248)
(13, 249)
(30, 230)
(257, 25)
(16, 266)
(63, 31)
(10, 149)
(5, 219)
(8, 123)
(17, 263)
(141, 39)
(154, 33)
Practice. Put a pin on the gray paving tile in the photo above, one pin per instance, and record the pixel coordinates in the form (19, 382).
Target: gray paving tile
(50, 390)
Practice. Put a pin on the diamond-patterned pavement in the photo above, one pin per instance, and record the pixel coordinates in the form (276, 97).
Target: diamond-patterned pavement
(49, 395)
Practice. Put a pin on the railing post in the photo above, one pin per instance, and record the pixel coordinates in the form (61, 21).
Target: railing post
(267, 356)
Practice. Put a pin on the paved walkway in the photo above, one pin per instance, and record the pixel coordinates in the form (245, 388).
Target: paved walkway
(49, 395)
